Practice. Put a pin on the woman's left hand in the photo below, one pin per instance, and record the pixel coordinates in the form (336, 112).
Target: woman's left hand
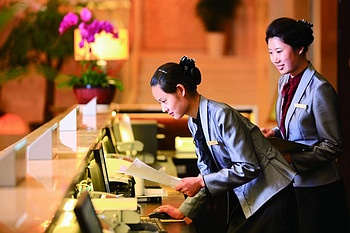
(190, 185)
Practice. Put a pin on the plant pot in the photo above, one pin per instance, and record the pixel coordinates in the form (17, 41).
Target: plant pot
(105, 95)
(215, 44)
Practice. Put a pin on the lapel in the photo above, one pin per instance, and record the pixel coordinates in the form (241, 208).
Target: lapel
(304, 82)
(203, 110)
(279, 101)
(279, 105)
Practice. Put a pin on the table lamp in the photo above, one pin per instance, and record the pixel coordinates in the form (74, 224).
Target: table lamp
(104, 48)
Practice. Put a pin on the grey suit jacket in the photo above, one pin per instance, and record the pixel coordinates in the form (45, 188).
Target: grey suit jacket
(313, 119)
(245, 161)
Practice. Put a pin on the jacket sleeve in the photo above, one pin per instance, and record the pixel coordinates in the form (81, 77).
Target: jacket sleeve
(329, 143)
(192, 205)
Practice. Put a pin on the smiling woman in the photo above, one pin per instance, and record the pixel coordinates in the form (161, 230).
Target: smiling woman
(307, 112)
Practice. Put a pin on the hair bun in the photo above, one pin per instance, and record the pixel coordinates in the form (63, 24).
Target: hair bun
(306, 30)
(189, 67)
(187, 63)
(305, 24)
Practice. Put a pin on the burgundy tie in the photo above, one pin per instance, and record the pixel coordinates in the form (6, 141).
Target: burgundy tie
(288, 92)
(285, 105)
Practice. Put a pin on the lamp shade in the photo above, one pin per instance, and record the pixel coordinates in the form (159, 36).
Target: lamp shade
(105, 47)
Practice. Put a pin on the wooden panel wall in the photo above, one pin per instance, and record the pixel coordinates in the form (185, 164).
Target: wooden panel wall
(163, 31)
(227, 79)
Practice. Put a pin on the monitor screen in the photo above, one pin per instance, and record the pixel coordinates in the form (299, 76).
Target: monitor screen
(125, 129)
(99, 175)
(142, 130)
(108, 140)
(86, 215)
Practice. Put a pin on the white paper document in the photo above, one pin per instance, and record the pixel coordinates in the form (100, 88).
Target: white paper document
(140, 169)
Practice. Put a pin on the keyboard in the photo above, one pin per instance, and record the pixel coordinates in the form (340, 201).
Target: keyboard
(149, 184)
(155, 222)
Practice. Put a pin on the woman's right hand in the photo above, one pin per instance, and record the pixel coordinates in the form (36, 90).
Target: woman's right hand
(171, 210)
(268, 132)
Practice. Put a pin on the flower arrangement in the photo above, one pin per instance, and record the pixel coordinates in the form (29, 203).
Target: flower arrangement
(93, 74)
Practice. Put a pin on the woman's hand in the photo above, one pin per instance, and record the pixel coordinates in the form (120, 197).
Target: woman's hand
(268, 132)
(171, 210)
(190, 185)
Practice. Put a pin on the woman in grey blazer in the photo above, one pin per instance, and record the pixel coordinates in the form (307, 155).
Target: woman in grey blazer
(233, 158)
(307, 112)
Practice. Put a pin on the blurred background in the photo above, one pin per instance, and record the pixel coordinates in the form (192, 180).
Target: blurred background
(237, 72)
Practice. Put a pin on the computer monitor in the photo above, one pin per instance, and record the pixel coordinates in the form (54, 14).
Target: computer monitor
(98, 169)
(125, 129)
(109, 142)
(126, 142)
(86, 215)
(146, 132)
(136, 138)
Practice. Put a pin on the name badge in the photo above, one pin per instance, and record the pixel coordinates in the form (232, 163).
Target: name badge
(304, 106)
(211, 143)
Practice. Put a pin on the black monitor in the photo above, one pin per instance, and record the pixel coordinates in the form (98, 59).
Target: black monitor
(142, 130)
(108, 139)
(86, 215)
(99, 175)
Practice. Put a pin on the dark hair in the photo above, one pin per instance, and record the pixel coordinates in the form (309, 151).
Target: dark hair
(296, 33)
(170, 74)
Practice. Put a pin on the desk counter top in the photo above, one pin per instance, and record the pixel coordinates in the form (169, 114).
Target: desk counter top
(30, 206)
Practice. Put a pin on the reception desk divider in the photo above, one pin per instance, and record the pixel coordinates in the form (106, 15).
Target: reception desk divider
(42, 148)
(13, 164)
(70, 121)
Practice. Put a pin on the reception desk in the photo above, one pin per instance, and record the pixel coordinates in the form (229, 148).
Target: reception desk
(33, 205)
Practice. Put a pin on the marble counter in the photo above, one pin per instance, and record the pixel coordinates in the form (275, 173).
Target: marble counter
(31, 205)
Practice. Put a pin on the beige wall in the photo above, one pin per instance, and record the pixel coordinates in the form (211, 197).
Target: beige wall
(163, 31)
(232, 78)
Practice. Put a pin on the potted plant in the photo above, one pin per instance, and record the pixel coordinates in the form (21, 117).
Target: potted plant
(93, 80)
(215, 15)
(35, 42)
